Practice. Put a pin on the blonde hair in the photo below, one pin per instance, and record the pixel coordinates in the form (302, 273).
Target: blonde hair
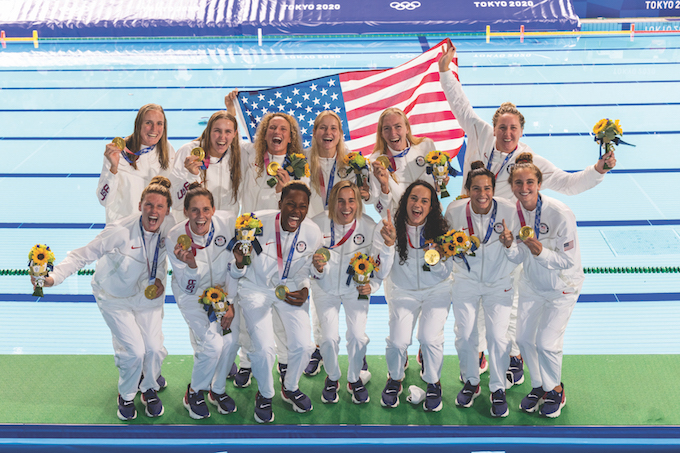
(159, 185)
(314, 166)
(525, 161)
(508, 107)
(333, 199)
(380, 143)
(134, 142)
(295, 145)
(235, 148)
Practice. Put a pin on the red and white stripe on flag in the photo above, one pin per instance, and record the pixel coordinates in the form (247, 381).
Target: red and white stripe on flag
(412, 87)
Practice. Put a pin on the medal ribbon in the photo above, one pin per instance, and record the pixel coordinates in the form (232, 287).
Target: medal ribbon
(283, 271)
(507, 158)
(393, 163)
(331, 178)
(154, 267)
(537, 220)
(194, 246)
(137, 154)
(492, 220)
(344, 238)
(206, 161)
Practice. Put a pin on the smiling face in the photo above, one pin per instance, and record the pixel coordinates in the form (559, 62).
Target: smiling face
(154, 208)
(278, 135)
(418, 205)
(222, 133)
(507, 131)
(481, 194)
(153, 124)
(346, 208)
(327, 135)
(394, 131)
(293, 209)
(525, 187)
(199, 213)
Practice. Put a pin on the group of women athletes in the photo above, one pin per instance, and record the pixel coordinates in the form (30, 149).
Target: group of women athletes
(514, 296)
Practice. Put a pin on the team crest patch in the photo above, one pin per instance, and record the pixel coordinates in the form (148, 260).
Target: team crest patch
(359, 239)
(420, 161)
(162, 243)
(543, 228)
(510, 167)
(300, 246)
(220, 241)
(498, 228)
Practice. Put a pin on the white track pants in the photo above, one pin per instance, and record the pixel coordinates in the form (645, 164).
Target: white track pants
(136, 327)
(432, 305)
(258, 312)
(356, 314)
(496, 300)
(541, 323)
(213, 352)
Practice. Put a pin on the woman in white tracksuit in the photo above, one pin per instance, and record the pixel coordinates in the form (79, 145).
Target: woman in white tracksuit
(326, 164)
(278, 134)
(347, 231)
(486, 276)
(498, 145)
(414, 289)
(405, 151)
(126, 173)
(129, 287)
(277, 280)
(202, 266)
(221, 172)
(549, 286)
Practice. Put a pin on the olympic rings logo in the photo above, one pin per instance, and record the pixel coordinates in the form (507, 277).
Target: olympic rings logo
(401, 6)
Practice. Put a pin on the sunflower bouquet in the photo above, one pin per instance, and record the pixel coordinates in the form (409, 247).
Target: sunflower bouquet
(607, 134)
(361, 269)
(296, 165)
(40, 263)
(438, 164)
(215, 299)
(247, 227)
(358, 164)
(458, 243)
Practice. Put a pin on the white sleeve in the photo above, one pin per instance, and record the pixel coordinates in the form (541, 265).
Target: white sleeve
(515, 253)
(186, 277)
(564, 257)
(180, 178)
(567, 183)
(383, 255)
(108, 184)
(81, 257)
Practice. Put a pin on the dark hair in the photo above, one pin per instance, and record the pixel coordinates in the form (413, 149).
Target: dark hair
(526, 160)
(295, 185)
(234, 150)
(477, 168)
(195, 190)
(159, 185)
(435, 224)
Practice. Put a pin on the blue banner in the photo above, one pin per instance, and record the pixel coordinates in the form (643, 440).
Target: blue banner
(158, 18)
(592, 9)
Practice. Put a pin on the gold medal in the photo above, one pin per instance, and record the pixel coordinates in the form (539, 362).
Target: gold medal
(281, 292)
(325, 252)
(432, 257)
(526, 232)
(475, 240)
(384, 161)
(272, 168)
(119, 142)
(198, 151)
(184, 241)
(151, 291)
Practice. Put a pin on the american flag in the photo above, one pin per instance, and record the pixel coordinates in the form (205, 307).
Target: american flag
(359, 97)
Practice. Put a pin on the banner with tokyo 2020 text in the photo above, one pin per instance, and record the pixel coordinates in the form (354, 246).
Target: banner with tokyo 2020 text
(158, 18)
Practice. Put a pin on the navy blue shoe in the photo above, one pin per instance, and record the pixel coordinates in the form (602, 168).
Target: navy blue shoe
(433, 398)
(154, 406)
(283, 369)
(263, 409)
(499, 406)
(195, 404)
(242, 378)
(233, 371)
(224, 403)
(300, 402)
(126, 409)
(534, 399)
(329, 394)
(467, 396)
(554, 402)
(315, 363)
(515, 373)
(390, 394)
(358, 392)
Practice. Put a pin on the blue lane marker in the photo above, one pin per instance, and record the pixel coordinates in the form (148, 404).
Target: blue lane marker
(423, 43)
